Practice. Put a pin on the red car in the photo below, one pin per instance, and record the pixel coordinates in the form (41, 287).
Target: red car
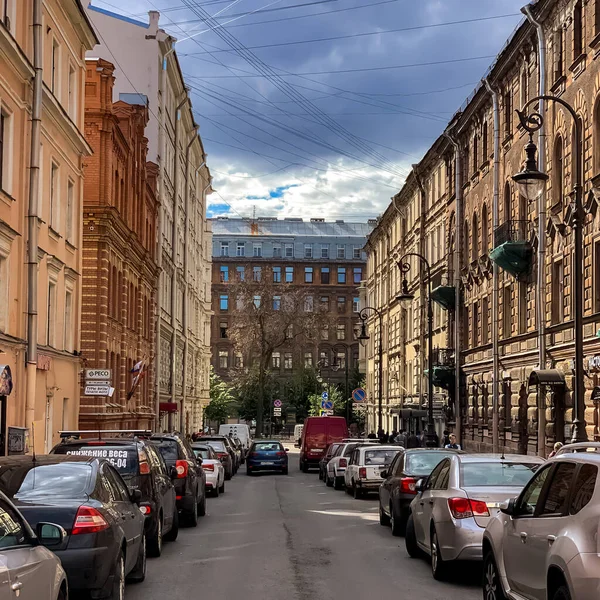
(317, 435)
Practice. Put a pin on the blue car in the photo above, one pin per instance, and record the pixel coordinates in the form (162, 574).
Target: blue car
(267, 455)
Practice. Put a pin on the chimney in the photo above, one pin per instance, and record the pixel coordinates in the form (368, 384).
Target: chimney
(153, 17)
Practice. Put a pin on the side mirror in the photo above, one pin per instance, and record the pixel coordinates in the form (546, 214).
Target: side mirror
(50, 534)
(508, 507)
(136, 496)
(384, 474)
(421, 485)
(287, 449)
(173, 473)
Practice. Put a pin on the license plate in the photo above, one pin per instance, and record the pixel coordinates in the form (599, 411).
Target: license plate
(267, 462)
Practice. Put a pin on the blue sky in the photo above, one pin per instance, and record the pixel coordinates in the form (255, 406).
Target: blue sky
(325, 128)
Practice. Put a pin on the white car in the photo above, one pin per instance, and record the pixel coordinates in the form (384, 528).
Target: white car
(213, 468)
(336, 467)
(363, 473)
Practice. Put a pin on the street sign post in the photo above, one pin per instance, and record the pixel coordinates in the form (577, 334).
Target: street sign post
(277, 403)
(359, 395)
(326, 404)
(277, 412)
(324, 395)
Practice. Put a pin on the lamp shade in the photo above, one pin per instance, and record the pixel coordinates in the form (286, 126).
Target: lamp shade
(530, 180)
(405, 296)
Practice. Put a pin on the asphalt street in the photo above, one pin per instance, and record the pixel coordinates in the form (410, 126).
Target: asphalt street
(290, 537)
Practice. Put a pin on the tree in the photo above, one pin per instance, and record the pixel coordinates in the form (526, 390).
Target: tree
(335, 396)
(222, 404)
(268, 315)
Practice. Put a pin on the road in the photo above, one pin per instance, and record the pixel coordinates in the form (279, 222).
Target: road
(276, 537)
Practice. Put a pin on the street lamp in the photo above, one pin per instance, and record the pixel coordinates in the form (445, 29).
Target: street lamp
(531, 183)
(404, 266)
(363, 315)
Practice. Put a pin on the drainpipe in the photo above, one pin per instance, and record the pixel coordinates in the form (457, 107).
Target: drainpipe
(32, 218)
(207, 343)
(457, 281)
(496, 277)
(541, 251)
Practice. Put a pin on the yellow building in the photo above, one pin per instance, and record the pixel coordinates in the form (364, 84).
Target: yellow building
(42, 62)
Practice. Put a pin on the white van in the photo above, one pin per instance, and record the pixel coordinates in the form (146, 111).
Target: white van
(238, 430)
(298, 434)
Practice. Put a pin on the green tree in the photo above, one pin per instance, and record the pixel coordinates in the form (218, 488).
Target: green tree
(222, 403)
(247, 392)
(335, 396)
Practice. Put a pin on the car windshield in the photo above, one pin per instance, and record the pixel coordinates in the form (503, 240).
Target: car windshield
(488, 473)
(349, 448)
(379, 456)
(168, 449)
(267, 447)
(61, 480)
(422, 463)
(124, 459)
(217, 446)
(201, 452)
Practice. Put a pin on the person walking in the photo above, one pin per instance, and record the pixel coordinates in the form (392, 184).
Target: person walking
(385, 438)
(557, 447)
(413, 440)
(452, 443)
(445, 438)
(372, 436)
(401, 438)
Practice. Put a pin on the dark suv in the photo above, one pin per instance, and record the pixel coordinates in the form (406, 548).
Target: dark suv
(141, 467)
(189, 476)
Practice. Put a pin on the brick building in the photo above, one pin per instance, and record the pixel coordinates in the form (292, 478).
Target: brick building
(325, 257)
(120, 274)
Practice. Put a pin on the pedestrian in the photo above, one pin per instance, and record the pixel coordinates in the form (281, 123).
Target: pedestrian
(380, 435)
(385, 438)
(401, 438)
(413, 440)
(452, 443)
(372, 436)
(445, 438)
(393, 436)
(557, 447)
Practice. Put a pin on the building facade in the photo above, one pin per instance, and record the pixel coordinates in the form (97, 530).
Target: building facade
(120, 275)
(146, 63)
(325, 258)
(41, 185)
(509, 271)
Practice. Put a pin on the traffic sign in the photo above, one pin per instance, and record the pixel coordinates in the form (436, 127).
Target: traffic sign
(98, 374)
(326, 404)
(324, 395)
(325, 413)
(97, 390)
(277, 403)
(277, 412)
(359, 395)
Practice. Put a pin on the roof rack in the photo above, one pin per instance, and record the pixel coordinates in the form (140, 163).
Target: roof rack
(579, 447)
(77, 433)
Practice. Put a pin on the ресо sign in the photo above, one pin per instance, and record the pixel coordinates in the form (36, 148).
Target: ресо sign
(98, 374)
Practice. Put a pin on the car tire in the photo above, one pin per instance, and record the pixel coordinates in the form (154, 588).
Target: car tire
(228, 475)
(222, 488)
(117, 590)
(384, 520)
(320, 475)
(138, 573)
(191, 517)
(215, 492)
(249, 472)
(171, 536)
(439, 567)
(337, 483)
(284, 471)
(492, 588)
(398, 523)
(328, 481)
(410, 539)
(304, 467)
(201, 506)
(155, 542)
(562, 593)
(357, 493)
(61, 595)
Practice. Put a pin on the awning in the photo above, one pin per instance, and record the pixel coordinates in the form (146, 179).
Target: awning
(407, 413)
(550, 377)
(169, 407)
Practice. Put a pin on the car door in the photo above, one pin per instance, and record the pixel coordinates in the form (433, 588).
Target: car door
(395, 479)
(515, 550)
(421, 508)
(196, 476)
(351, 468)
(435, 496)
(386, 484)
(164, 486)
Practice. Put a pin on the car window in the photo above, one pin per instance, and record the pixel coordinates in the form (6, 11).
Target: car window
(217, 446)
(423, 463)
(379, 456)
(117, 492)
(267, 447)
(61, 480)
(338, 450)
(202, 452)
(555, 502)
(158, 464)
(394, 464)
(583, 488)
(399, 464)
(12, 532)
(432, 479)
(441, 481)
(531, 494)
(186, 451)
(349, 449)
(168, 449)
(488, 473)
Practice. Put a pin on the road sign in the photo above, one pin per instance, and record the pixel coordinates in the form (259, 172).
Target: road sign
(325, 395)
(277, 403)
(277, 412)
(98, 374)
(97, 390)
(326, 404)
(325, 413)
(359, 395)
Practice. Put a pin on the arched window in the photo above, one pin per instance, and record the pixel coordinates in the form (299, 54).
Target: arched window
(475, 153)
(484, 231)
(115, 193)
(576, 156)
(475, 233)
(484, 142)
(114, 293)
(558, 171)
(596, 141)
(507, 202)
(466, 238)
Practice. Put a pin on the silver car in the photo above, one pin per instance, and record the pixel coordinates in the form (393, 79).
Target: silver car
(28, 570)
(544, 544)
(455, 503)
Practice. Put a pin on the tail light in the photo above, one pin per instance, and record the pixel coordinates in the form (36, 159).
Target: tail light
(343, 462)
(280, 454)
(362, 472)
(208, 467)
(181, 467)
(145, 509)
(408, 485)
(463, 508)
(223, 456)
(88, 520)
(144, 464)
(96, 443)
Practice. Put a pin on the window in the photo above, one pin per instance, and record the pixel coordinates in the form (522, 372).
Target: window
(238, 360)
(287, 360)
(289, 250)
(558, 53)
(475, 244)
(597, 276)
(69, 215)
(224, 248)
(240, 249)
(68, 323)
(256, 273)
(485, 243)
(224, 274)
(324, 274)
(308, 274)
(522, 307)
(308, 251)
(357, 274)
(257, 249)
(577, 29)
(55, 73)
(484, 142)
(223, 330)
(289, 274)
(341, 251)
(341, 331)
(507, 311)
(324, 301)
(557, 285)
(341, 304)
(583, 488)
(276, 360)
(223, 359)
(325, 332)
(558, 172)
(6, 150)
(475, 153)
(276, 274)
(527, 503)
(341, 275)
(276, 302)
(324, 250)
(356, 304)
(507, 201)
(557, 496)
(276, 251)
(475, 325)
(256, 301)
(523, 87)
(309, 304)
(308, 359)
(508, 117)
(51, 316)
(223, 302)
(72, 94)
(356, 252)
(241, 273)
(8, 13)
(54, 200)
(323, 359)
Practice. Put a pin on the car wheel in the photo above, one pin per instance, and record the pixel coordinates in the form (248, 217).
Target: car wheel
(492, 588)
(61, 595)
(117, 591)
(138, 574)
(320, 475)
(304, 467)
(191, 517)
(174, 531)
(410, 539)
(215, 491)
(438, 565)
(328, 481)
(356, 492)
(155, 542)
(398, 523)
(222, 488)
(337, 483)
(201, 506)
(284, 471)
(562, 593)
(228, 474)
(384, 520)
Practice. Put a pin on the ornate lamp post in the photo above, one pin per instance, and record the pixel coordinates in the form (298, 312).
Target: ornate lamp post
(531, 182)
(363, 315)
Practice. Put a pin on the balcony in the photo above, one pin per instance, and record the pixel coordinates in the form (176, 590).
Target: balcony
(445, 296)
(443, 368)
(513, 250)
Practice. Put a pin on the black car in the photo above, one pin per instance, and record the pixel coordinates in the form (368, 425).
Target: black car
(222, 447)
(398, 489)
(329, 454)
(189, 477)
(143, 468)
(104, 541)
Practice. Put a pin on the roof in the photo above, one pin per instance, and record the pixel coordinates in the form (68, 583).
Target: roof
(506, 458)
(45, 459)
(115, 15)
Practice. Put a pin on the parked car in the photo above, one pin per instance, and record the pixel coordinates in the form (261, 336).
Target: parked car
(222, 452)
(240, 431)
(267, 455)
(190, 479)
(142, 467)
(28, 567)
(398, 489)
(326, 458)
(456, 502)
(365, 468)
(336, 467)
(238, 455)
(544, 543)
(213, 469)
(103, 541)
(317, 434)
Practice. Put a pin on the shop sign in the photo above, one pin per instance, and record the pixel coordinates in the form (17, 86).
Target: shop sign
(6, 382)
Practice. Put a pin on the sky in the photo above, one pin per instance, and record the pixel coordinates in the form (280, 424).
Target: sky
(328, 127)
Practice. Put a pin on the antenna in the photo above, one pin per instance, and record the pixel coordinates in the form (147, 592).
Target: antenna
(33, 442)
